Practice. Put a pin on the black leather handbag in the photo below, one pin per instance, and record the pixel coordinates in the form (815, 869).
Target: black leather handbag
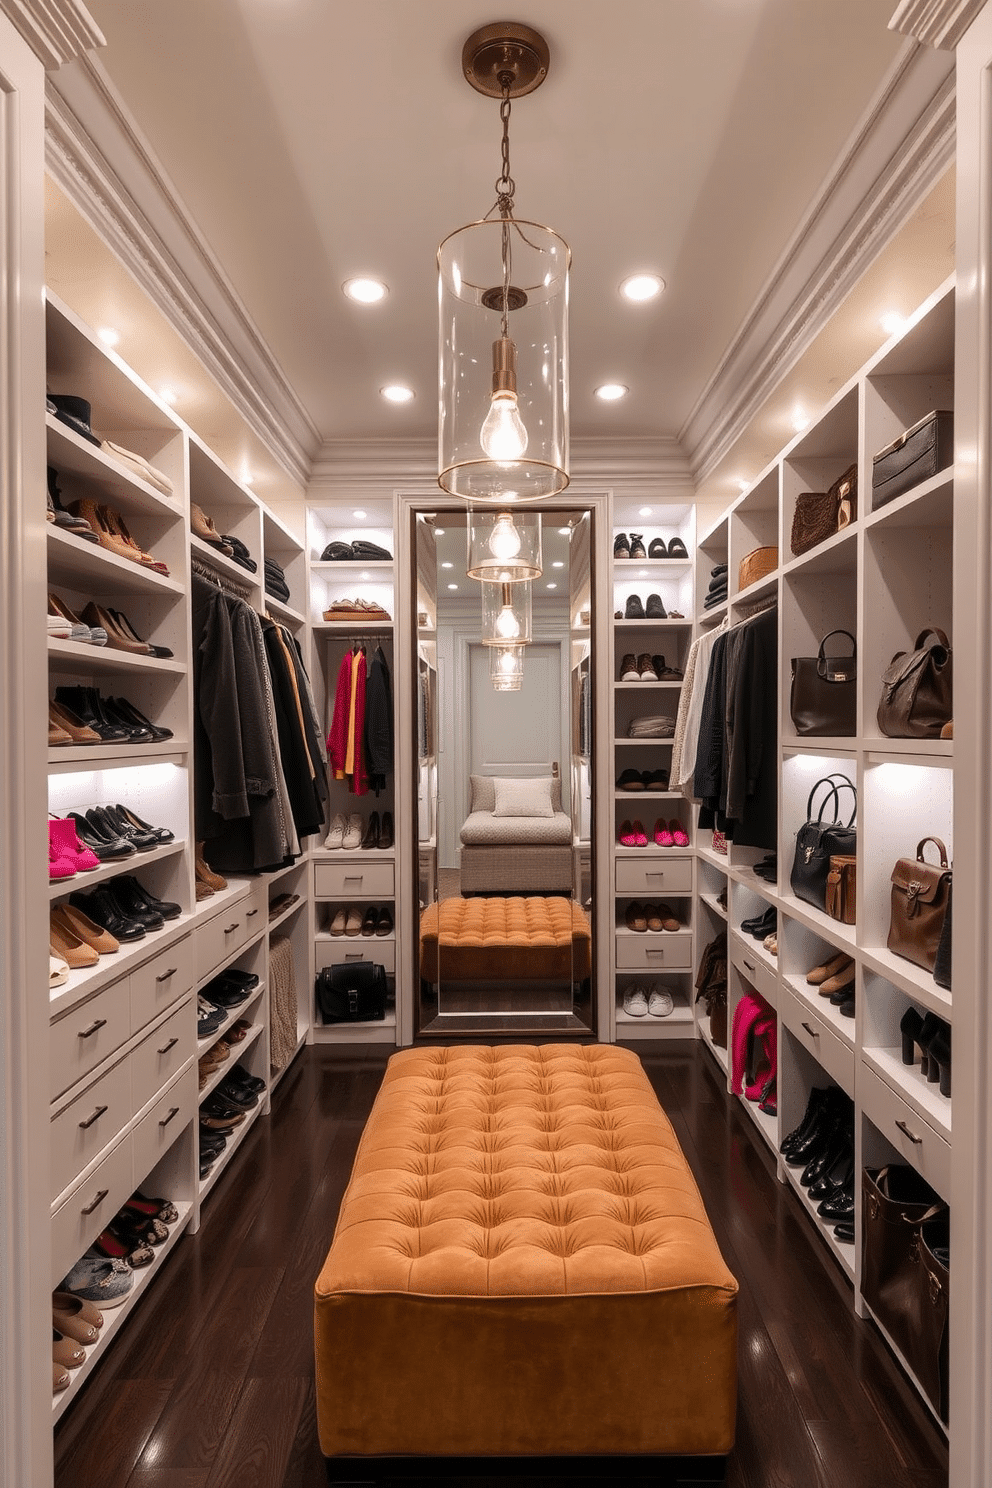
(353, 992)
(818, 840)
(824, 695)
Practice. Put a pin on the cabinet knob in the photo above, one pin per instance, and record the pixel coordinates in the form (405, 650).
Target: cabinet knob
(94, 1027)
(170, 1045)
(85, 1125)
(165, 975)
(917, 1141)
(101, 1195)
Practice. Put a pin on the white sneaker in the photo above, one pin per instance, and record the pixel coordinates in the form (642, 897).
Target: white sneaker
(635, 1003)
(335, 836)
(660, 1002)
(352, 833)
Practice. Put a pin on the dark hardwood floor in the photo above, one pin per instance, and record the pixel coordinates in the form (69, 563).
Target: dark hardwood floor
(210, 1385)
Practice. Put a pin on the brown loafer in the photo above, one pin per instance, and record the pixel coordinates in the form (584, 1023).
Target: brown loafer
(635, 917)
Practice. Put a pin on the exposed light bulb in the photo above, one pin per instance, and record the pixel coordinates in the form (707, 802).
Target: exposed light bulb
(504, 540)
(507, 624)
(507, 663)
(503, 437)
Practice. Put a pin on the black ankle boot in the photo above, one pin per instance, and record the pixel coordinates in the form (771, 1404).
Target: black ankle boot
(371, 838)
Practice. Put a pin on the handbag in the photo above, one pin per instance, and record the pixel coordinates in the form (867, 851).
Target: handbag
(824, 697)
(895, 1281)
(921, 892)
(353, 992)
(819, 514)
(711, 987)
(817, 841)
(916, 689)
(934, 1300)
(942, 960)
(841, 893)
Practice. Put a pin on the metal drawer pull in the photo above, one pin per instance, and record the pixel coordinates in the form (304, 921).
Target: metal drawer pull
(659, 876)
(911, 1135)
(250, 913)
(354, 878)
(94, 1027)
(353, 956)
(813, 1033)
(85, 1125)
(167, 974)
(748, 965)
(230, 929)
(96, 1202)
(166, 1119)
(170, 1045)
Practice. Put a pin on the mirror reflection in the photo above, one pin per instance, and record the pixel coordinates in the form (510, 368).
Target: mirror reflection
(504, 770)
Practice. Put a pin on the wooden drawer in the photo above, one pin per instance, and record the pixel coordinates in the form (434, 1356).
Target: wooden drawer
(78, 1221)
(89, 1124)
(159, 982)
(88, 1034)
(754, 970)
(654, 875)
(356, 878)
(161, 1055)
(159, 1127)
(216, 942)
(654, 952)
(914, 1139)
(816, 1035)
(357, 948)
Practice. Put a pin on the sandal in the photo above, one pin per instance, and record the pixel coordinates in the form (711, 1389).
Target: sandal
(118, 526)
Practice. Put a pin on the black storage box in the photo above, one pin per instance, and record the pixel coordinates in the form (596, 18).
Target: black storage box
(915, 456)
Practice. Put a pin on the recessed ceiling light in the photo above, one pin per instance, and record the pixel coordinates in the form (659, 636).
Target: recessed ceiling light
(359, 516)
(564, 531)
(800, 420)
(641, 287)
(395, 392)
(109, 336)
(168, 396)
(452, 586)
(742, 485)
(645, 511)
(552, 586)
(439, 531)
(611, 391)
(557, 563)
(365, 291)
(892, 322)
(447, 565)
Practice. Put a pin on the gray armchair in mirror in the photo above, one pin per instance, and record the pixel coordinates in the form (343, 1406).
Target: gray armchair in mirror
(504, 787)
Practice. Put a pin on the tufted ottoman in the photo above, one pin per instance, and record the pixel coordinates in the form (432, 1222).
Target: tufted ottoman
(532, 939)
(523, 1268)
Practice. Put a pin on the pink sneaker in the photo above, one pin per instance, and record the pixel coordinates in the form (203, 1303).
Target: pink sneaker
(679, 835)
(662, 835)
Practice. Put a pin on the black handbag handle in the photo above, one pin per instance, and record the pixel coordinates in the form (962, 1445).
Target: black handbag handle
(836, 782)
(821, 659)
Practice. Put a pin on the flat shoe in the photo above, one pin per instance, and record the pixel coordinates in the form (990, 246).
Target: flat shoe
(679, 835)
(654, 609)
(76, 1318)
(657, 549)
(634, 610)
(631, 780)
(662, 835)
(634, 917)
(353, 922)
(660, 1003)
(635, 1003)
(677, 548)
(338, 923)
(66, 1351)
(819, 974)
(663, 917)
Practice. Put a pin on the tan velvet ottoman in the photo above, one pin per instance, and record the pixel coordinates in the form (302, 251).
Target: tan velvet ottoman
(496, 939)
(522, 1268)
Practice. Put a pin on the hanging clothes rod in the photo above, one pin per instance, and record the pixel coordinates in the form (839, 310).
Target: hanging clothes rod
(219, 580)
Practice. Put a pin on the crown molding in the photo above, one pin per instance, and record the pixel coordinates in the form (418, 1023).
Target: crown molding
(55, 30)
(903, 144)
(94, 147)
(938, 23)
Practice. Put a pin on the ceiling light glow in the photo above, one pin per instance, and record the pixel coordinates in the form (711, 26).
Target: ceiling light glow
(892, 322)
(395, 392)
(640, 287)
(359, 516)
(365, 291)
(609, 392)
(168, 396)
(109, 336)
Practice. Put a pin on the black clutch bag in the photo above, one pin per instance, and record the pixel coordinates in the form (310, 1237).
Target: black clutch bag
(354, 992)
(824, 691)
(818, 840)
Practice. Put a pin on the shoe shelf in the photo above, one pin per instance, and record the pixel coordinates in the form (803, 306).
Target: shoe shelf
(205, 909)
(628, 627)
(74, 758)
(225, 1159)
(677, 1025)
(87, 980)
(72, 560)
(842, 1253)
(244, 1009)
(911, 1085)
(110, 481)
(631, 798)
(914, 980)
(238, 1051)
(250, 583)
(283, 613)
(287, 914)
(103, 661)
(710, 900)
(648, 685)
(114, 1318)
(821, 1007)
(59, 887)
(744, 874)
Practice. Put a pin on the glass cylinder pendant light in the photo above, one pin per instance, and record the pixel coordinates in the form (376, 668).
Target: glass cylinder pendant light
(504, 547)
(506, 668)
(507, 614)
(503, 317)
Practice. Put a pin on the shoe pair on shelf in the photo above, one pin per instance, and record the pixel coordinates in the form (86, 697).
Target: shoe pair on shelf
(98, 626)
(834, 979)
(79, 715)
(665, 834)
(634, 547)
(823, 1146)
(112, 534)
(228, 990)
(761, 925)
(767, 868)
(645, 668)
(349, 920)
(652, 999)
(359, 551)
(347, 832)
(654, 917)
(115, 832)
(933, 1036)
(637, 609)
(125, 908)
(643, 780)
(281, 903)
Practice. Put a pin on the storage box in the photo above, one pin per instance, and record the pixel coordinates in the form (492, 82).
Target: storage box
(756, 565)
(914, 457)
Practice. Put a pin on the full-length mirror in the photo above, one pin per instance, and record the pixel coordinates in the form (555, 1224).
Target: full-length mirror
(504, 770)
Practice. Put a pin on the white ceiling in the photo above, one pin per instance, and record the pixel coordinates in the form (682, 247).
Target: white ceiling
(312, 140)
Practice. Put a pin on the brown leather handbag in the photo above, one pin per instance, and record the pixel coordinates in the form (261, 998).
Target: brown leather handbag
(916, 689)
(819, 514)
(842, 888)
(921, 892)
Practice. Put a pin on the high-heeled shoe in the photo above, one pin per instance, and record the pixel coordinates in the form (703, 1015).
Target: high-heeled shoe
(130, 716)
(939, 1054)
(386, 830)
(909, 1026)
(928, 1029)
(62, 720)
(162, 834)
(118, 527)
(129, 630)
(85, 703)
(371, 838)
(115, 638)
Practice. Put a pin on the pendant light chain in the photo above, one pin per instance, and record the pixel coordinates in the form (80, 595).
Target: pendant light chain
(505, 188)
